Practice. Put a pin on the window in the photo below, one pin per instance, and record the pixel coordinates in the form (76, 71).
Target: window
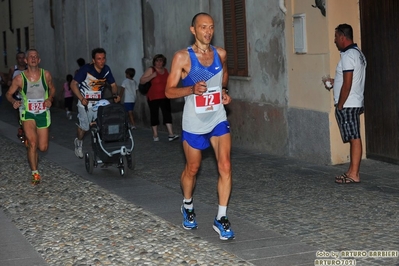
(51, 14)
(26, 29)
(235, 37)
(5, 48)
(18, 40)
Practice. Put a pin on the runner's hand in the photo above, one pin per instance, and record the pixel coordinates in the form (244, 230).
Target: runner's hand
(117, 99)
(226, 99)
(200, 88)
(47, 103)
(84, 102)
(16, 104)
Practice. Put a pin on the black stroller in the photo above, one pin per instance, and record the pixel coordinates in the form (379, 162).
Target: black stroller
(112, 140)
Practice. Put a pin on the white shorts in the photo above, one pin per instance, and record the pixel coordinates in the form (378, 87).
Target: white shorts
(85, 117)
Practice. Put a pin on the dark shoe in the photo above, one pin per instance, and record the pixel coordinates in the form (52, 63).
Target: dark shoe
(21, 134)
(172, 138)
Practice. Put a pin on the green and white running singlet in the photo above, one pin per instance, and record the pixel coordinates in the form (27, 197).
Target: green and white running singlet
(33, 95)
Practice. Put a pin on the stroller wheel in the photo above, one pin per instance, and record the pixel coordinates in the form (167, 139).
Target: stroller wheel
(89, 162)
(123, 165)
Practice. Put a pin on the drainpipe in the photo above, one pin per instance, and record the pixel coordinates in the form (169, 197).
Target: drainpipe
(282, 6)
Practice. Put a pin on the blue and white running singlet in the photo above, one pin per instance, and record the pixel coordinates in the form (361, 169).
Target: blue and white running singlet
(203, 112)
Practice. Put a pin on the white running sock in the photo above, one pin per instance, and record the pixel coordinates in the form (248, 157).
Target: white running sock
(188, 204)
(221, 212)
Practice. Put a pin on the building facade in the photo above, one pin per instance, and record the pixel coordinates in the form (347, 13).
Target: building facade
(278, 53)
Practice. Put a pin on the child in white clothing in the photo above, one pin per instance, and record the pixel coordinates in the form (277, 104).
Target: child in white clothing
(129, 88)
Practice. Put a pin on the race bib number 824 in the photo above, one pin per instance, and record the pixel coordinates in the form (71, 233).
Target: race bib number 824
(36, 105)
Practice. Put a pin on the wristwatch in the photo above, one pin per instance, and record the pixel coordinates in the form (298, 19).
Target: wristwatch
(225, 89)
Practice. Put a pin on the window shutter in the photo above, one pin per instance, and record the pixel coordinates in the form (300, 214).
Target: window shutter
(235, 37)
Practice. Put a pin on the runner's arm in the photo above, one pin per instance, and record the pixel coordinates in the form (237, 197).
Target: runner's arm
(114, 90)
(15, 84)
(76, 91)
(180, 64)
(51, 88)
(226, 99)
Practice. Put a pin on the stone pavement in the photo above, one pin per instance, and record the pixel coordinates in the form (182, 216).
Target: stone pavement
(282, 210)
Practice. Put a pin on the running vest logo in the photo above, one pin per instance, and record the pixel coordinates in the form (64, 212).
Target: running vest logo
(34, 85)
(216, 68)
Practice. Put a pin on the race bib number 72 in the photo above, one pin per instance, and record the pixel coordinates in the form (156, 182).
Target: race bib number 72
(209, 101)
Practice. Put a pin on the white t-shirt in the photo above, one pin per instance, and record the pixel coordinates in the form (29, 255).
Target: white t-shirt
(352, 60)
(130, 86)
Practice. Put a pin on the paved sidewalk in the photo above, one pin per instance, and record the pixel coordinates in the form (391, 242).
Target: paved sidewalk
(282, 210)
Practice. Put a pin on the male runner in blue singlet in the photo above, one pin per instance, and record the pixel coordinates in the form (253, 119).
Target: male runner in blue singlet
(203, 70)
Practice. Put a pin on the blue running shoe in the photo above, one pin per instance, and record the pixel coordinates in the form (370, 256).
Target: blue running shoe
(222, 227)
(189, 221)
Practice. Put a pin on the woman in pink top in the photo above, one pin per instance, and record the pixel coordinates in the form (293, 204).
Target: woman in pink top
(156, 98)
(68, 96)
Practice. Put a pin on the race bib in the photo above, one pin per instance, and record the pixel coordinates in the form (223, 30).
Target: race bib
(209, 101)
(36, 106)
(93, 95)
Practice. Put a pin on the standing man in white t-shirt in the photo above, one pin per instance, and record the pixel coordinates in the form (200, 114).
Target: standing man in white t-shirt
(348, 87)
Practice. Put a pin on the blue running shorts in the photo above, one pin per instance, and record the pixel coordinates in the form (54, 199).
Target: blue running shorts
(202, 141)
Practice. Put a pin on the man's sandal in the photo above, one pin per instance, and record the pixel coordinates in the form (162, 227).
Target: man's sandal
(340, 177)
(345, 179)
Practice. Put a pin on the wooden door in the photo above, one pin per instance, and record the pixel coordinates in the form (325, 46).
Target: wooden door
(380, 41)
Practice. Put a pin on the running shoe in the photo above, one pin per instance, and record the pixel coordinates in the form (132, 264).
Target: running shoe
(156, 139)
(35, 179)
(173, 137)
(21, 134)
(78, 148)
(188, 219)
(222, 227)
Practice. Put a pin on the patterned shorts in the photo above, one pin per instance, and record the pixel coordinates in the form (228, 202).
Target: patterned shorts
(349, 122)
